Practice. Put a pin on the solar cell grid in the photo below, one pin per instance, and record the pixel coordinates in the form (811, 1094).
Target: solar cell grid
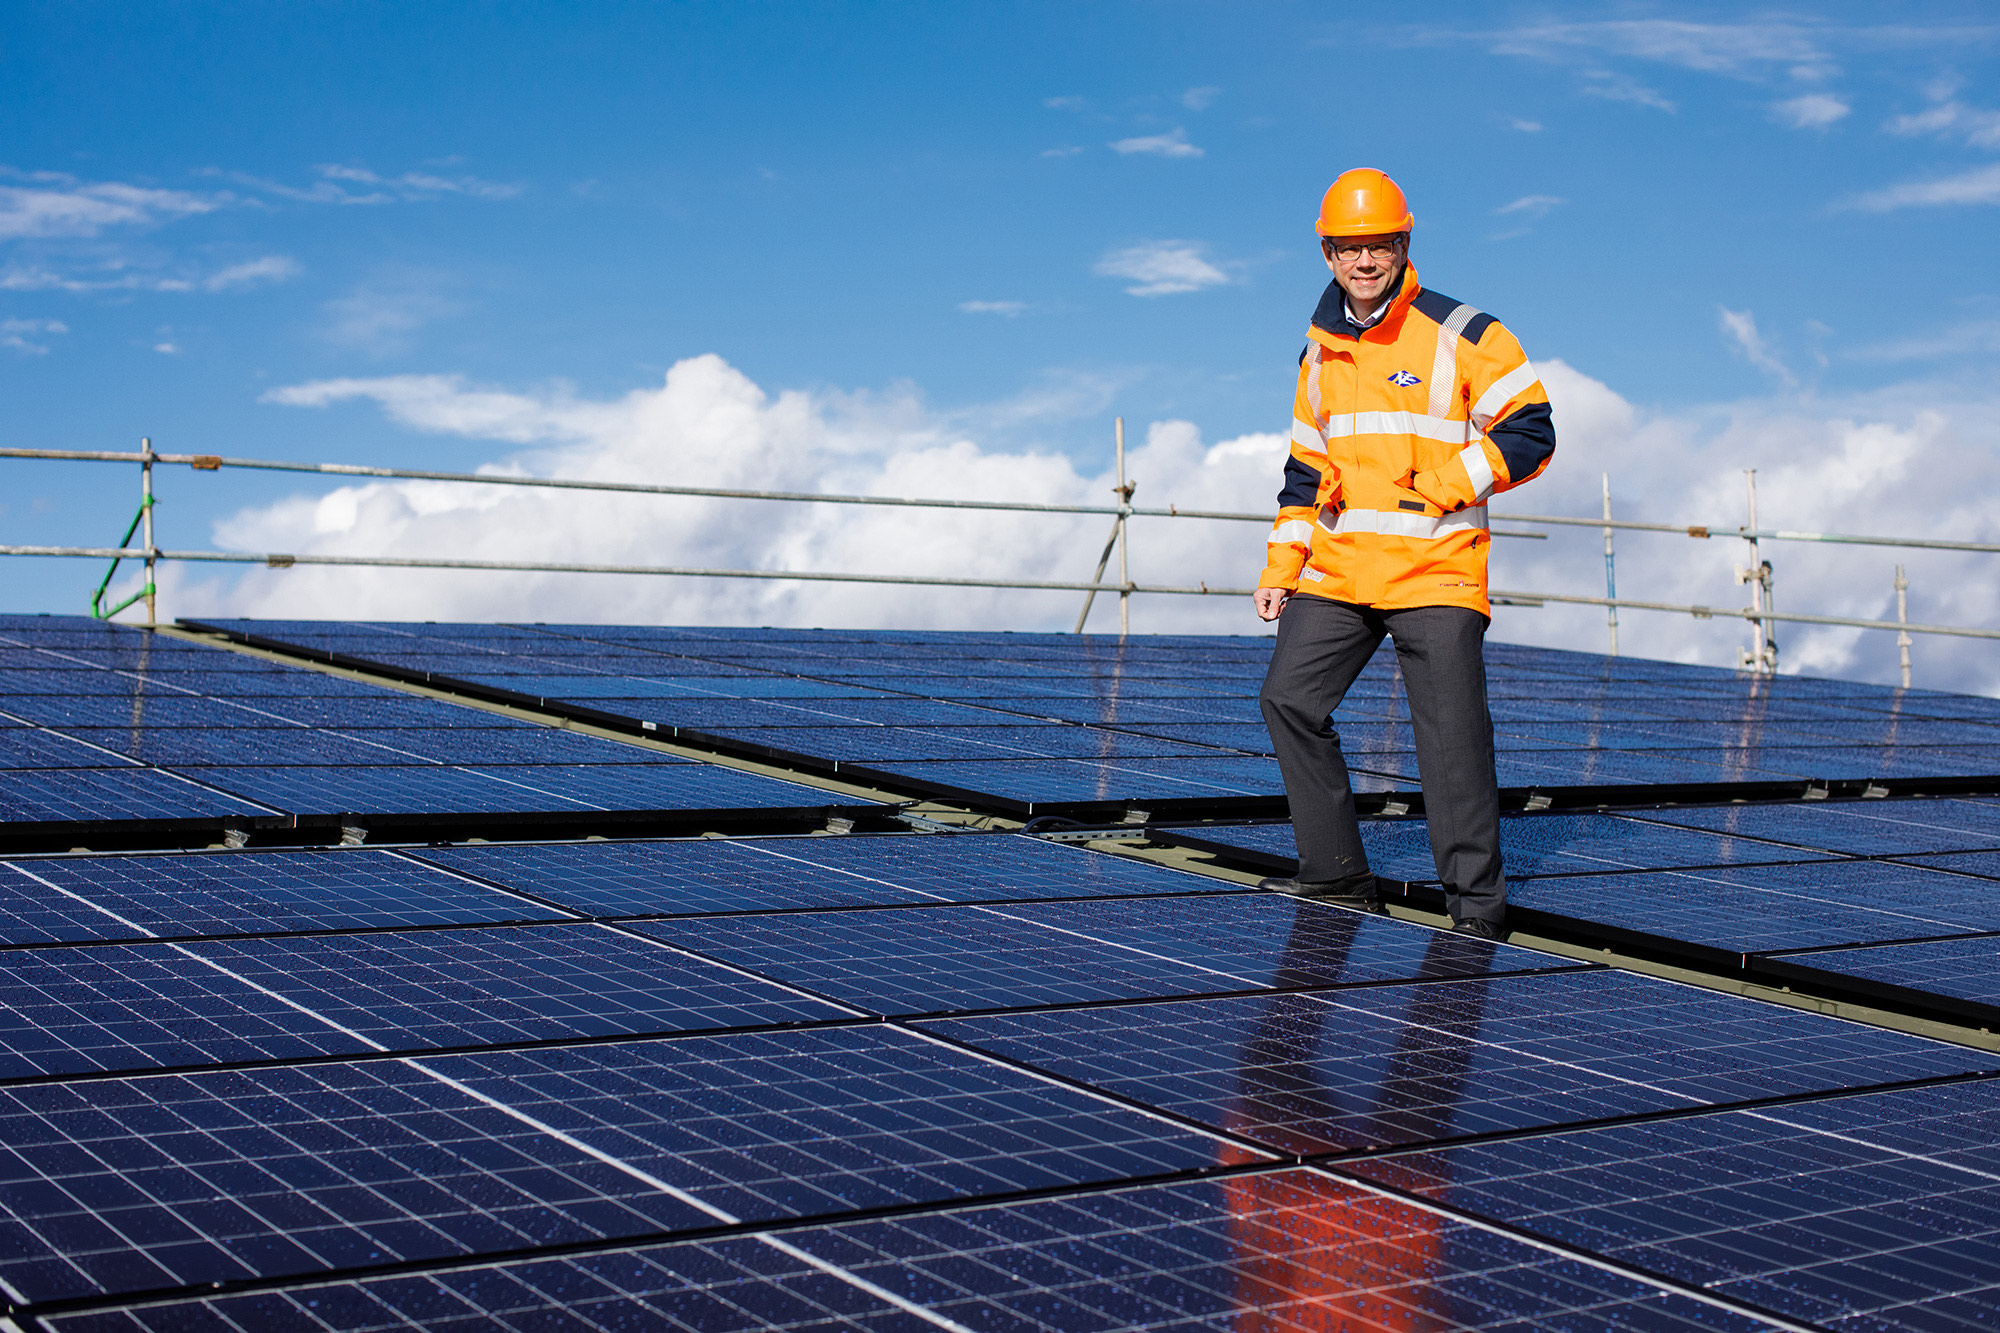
(29, 747)
(230, 893)
(826, 1120)
(1875, 1211)
(69, 1011)
(519, 743)
(1963, 969)
(1293, 1249)
(988, 867)
(1032, 782)
(135, 1185)
(1694, 908)
(492, 986)
(88, 795)
(696, 876)
(1402, 1064)
(1857, 828)
(947, 959)
(649, 878)
(152, 711)
(257, 745)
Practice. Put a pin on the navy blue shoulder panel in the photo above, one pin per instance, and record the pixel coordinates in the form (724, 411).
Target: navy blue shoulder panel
(1331, 312)
(1302, 353)
(1301, 484)
(1438, 307)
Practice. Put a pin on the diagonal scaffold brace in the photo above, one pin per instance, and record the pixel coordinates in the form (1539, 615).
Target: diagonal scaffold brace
(97, 607)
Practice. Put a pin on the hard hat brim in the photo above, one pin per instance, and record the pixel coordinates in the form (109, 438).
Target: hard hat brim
(1365, 227)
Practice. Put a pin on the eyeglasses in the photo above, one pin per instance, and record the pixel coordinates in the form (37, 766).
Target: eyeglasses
(1347, 254)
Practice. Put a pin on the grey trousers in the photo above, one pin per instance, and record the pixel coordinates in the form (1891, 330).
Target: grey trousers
(1322, 647)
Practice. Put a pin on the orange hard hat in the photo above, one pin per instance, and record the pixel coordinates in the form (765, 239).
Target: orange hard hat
(1363, 202)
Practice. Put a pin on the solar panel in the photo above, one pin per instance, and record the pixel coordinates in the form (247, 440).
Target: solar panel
(495, 985)
(1271, 1250)
(1530, 845)
(227, 893)
(949, 959)
(714, 876)
(1373, 1067)
(1863, 1211)
(208, 726)
(980, 1077)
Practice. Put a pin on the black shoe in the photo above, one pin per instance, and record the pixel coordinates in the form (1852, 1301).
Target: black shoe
(1484, 930)
(1355, 891)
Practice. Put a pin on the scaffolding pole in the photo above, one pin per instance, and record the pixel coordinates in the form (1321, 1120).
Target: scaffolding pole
(146, 519)
(1610, 571)
(1902, 621)
(216, 462)
(1124, 512)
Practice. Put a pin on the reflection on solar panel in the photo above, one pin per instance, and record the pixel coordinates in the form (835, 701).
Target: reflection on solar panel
(977, 1079)
(1881, 1209)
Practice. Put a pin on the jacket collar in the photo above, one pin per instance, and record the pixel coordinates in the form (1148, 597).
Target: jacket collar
(1330, 322)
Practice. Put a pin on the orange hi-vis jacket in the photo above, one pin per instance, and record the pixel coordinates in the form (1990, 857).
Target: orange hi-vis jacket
(1400, 432)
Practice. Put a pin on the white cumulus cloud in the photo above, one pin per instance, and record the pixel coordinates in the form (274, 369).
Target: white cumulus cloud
(1162, 268)
(1867, 464)
(1171, 144)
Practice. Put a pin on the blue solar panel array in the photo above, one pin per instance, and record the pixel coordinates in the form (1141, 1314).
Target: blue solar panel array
(902, 1081)
(972, 1080)
(105, 724)
(1040, 722)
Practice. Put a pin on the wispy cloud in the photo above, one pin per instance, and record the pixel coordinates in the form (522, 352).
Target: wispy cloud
(1069, 103)
(251, 273)
(1715, 48)
(378, 318)
(1068, 150)
(351, 185)
(1740, 327)
(1814, 111)
(1007, 308)
(1614, 86)
(1200, 99)
(52, 205)
(1981, 337)
(1162, 268)
(15, 333)
(1171, 144)
(120, 274)
(1978, 186)
(1532, 205)
(1524, 126)
(1976, 125)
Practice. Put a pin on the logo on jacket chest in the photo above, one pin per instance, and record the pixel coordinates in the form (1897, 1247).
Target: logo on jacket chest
(1404, 378)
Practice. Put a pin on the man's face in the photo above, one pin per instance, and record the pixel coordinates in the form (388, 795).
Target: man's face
(1365, 265)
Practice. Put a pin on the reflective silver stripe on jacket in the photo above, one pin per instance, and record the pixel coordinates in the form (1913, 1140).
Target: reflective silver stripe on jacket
(1444, 370)
(1400, 523)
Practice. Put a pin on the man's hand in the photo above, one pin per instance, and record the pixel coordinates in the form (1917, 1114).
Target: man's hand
(1270, 601)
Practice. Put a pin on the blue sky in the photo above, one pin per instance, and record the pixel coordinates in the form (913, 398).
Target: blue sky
(1023, 218)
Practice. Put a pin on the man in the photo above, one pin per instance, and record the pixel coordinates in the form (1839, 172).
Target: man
(1411, 410)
